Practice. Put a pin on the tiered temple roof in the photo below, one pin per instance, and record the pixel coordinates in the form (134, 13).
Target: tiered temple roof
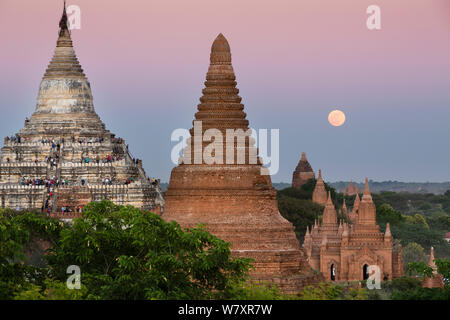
(64, 157)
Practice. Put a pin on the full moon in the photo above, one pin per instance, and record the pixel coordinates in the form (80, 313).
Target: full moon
(336, 118)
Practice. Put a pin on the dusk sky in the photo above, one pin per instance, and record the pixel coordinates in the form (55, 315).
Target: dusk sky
(295, 61)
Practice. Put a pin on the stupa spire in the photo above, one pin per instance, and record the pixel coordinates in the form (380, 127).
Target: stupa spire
(367, 211)
(356, 203)
(329, 201)
(64, 88)
(329, 213)
(431, 260)
(388, 233)
(366, 187)
(63, 23)
(437, 280)
(65, 62)
(303, 157)
(320, 194)
(64, 38)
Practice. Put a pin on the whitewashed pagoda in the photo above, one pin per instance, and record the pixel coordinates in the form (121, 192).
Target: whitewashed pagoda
(64, 157)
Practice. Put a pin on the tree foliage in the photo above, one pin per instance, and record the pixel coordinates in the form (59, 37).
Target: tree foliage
(385, 213)
(123, 253)
(413, 252)
(300, 213)
(330, 291)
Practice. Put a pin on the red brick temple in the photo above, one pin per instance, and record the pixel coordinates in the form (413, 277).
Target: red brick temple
(232, 196)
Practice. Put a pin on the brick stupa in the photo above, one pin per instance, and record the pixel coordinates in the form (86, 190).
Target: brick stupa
(235, 201)
(64, 157)
(302, 173)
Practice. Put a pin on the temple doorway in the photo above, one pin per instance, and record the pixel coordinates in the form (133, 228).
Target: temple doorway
(332, 272)
(365, 272)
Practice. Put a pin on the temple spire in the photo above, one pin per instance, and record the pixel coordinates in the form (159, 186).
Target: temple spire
(437, 280)
(303, 157)
(388, 233)
(64, 87)
(329, 213)
(340, 228)
(320, 193)
(367, 210)
(366, 187)
(356, 202)
(329, 198)
(64, 22)
(366, 195)
(344, 207)
(431, 260)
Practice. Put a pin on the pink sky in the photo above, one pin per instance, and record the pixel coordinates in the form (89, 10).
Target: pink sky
(295, 61)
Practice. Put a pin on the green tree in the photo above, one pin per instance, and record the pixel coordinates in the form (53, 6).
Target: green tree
(17, 233)
(126, 253)
(425, 206)
(300, 213)
(51, 290)
(385, 213)
(443, 267)
(417, 219)
(331, 291)
(256, 291)
(413, 252)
